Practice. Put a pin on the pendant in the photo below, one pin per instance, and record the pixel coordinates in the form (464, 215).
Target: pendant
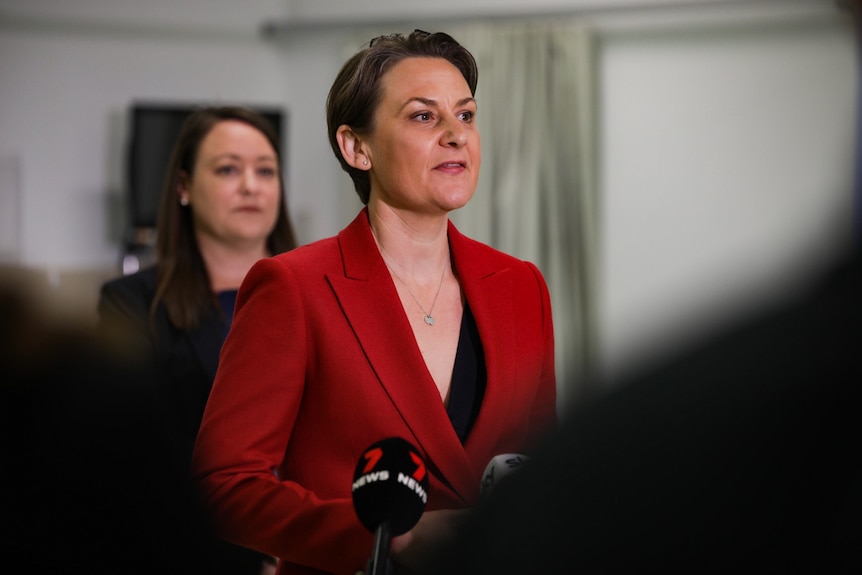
(429, 320)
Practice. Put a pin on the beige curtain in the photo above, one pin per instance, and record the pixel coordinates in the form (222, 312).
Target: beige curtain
(537, 190)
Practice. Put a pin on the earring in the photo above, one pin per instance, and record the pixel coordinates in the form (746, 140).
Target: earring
(364, 162)
(184, 201)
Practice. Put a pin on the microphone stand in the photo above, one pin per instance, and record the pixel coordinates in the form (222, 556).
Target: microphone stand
(379, 563)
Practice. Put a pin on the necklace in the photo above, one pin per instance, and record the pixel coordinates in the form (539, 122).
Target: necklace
(429, 319)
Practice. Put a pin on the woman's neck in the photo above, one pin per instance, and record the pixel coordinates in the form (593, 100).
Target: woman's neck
(417, 246)
(228, 264)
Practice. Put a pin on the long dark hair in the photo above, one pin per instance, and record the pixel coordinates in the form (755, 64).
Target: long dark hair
(182, 281)
(356, 92)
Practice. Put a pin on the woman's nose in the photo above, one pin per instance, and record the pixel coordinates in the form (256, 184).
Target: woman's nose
(249, 181)
(455, 134)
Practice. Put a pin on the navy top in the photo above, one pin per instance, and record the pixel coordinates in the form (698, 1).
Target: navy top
(227, 300)
(468, 377)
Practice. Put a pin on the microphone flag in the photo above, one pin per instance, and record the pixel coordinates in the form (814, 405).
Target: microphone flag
(390, 485)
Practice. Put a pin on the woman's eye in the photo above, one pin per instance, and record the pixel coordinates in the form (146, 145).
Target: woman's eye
(267, 172)
(467, 116)
(226, 170)
(423, 116)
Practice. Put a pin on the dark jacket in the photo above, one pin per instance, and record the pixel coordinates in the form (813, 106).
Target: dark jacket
(185, 364)
(187, 360)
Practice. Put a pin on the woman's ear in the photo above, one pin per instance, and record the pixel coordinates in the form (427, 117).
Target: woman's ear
(352, 148)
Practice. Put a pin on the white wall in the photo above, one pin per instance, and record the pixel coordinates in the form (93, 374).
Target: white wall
(724, 149)
(64, 113)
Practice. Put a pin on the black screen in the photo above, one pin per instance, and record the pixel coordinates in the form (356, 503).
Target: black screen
(154, 130)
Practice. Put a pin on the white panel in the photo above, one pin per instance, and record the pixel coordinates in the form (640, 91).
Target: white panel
(726, 175)
(10, 210)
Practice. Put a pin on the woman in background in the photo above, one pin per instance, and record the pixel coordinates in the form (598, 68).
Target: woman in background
(222, 209)
(399, 326)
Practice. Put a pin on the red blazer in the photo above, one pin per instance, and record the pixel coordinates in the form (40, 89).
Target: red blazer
(321, 362)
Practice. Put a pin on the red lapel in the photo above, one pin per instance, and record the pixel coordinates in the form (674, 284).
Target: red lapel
(370, 303)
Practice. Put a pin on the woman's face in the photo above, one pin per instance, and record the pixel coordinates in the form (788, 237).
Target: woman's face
(424, 150)
(235, 188)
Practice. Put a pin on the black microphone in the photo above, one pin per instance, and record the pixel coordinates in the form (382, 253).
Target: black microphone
(390, 490)
(499, 467)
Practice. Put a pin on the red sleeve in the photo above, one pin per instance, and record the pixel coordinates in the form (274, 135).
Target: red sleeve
(246, 428)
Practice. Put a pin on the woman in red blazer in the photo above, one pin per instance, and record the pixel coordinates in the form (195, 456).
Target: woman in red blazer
(399, 326)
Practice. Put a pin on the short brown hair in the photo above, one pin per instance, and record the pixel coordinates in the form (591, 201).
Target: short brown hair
(356, 93)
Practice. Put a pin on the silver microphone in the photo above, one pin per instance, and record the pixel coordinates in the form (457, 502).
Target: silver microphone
(499, 467)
